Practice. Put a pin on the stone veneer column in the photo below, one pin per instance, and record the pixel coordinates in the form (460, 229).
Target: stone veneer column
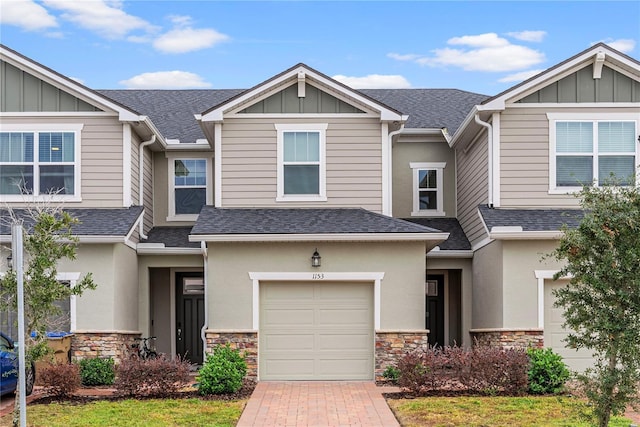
(117, 345)
(509, 338)
(391, 346)
(245, 341)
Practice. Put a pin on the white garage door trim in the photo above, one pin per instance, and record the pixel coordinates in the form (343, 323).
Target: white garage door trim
(374, 277)
(543, 275)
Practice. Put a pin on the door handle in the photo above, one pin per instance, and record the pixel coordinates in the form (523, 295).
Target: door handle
(179, 334)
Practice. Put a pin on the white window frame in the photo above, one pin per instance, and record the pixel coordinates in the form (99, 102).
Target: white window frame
(172, 157)
(321, 129)
(36, 129)
(439, 168)
(586, 117)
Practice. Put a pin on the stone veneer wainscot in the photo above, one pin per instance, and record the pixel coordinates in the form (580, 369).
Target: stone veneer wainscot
(509, 338)
(117, 345)
(391, 346)
(245, 341)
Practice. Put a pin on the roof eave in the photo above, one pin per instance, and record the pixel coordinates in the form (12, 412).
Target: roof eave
(327, 237)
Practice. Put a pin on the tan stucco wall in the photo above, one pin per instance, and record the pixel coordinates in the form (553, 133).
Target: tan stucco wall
(487, 280)
(125, 288)
(421, 150)
(230, 288)
(444, 264)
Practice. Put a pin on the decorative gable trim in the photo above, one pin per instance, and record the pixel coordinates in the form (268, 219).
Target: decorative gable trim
(291, 76)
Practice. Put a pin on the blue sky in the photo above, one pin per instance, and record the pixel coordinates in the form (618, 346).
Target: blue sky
(478, 46)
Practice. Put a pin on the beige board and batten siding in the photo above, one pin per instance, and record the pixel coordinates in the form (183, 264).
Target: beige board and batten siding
(353, 162)
(422, 149)
(101, 157)
(472, 186)
(524, 157)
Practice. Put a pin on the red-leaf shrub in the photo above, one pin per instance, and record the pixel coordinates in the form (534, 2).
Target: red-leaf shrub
(159, 377)
(482, 370)
(60, 380)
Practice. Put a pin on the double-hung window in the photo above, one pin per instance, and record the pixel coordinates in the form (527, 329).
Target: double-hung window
(41, 161)
(301, 162)
(585, 151)
(428, 196)
(189, 183)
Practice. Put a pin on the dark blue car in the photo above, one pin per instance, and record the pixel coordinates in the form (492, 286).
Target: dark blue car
(9, 368)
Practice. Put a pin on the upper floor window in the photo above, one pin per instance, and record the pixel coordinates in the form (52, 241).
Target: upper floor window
(39, 162)
(428, 196)
(190, 180)
(584, 152)
(301, 162)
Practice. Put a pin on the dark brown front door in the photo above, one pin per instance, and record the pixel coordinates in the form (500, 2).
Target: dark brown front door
(189, 315)
(434, 316)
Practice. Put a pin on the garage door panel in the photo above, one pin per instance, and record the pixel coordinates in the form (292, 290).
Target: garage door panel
(328, 336)
(555, 334)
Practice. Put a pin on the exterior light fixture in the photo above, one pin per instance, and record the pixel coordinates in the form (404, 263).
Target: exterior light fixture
(315, 259)
(10, 262)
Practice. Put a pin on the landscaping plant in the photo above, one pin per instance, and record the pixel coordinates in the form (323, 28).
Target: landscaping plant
(159, 377)
(96, 371)
(547, 372)
(60, 379)
(222, 372)
(601, 303)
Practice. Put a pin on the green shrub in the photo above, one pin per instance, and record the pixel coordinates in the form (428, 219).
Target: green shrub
(97, 371)
(547, 371)
(222, 372)
(391, 373)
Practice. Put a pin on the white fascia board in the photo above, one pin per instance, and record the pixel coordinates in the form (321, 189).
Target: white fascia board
(440, 253)
(524, 235)
(469, 120)
(101, 239)
(153, 129)
(344, 237)
(142, 249)
(217, 114)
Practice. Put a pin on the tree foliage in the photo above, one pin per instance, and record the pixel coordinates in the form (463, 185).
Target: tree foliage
(602, 300)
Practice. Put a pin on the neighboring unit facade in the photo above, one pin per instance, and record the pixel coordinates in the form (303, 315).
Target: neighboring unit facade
(203, 211)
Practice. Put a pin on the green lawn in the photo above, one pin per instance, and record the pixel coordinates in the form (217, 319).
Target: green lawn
(492, 411)
(156, 412)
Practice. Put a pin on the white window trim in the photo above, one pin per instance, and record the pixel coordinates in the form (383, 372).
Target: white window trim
(321, 128)
(171, 158)
(587, 117)
(34, 128)
(439, 168)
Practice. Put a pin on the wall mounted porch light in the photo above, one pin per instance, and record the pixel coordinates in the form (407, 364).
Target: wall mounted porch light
(315, 259)
(10, 262)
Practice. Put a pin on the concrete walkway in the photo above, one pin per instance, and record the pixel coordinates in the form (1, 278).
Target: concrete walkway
(317, 403)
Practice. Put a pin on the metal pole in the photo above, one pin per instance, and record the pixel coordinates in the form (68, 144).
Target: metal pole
(16, 245)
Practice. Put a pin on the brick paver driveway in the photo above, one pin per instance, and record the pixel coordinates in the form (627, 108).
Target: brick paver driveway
(317, 403)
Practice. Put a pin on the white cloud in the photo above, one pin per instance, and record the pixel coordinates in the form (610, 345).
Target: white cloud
(107, 18)
(482, 52)
(374, 81)
(26, 14)
(165, 80)
(181, 40)
(528, 36)
(623, 45)
(519, 77)
(405, 57)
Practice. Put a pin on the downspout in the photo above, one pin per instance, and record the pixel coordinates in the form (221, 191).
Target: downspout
(390, 167)
(489, 157)
(203, 331)
(141, 182)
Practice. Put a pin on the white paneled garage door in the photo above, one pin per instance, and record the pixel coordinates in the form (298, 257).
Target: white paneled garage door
(554, 333)
(316, 331)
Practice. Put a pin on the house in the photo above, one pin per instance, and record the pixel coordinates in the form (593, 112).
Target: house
(325, 231)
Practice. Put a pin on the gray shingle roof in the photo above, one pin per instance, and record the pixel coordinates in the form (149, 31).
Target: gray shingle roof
(299, 221)
(429, 108)
(172, 110)
(175, 237)
(531, 219)
(457, 239)
(93, 222)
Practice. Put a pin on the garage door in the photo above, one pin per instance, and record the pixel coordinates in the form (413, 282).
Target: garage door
(554, 333)
(316, 331)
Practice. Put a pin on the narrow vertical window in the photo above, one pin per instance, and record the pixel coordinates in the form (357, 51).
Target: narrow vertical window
(428, 196)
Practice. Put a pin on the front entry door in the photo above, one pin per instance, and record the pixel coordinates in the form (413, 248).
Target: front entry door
(434, 316)
(189, 315)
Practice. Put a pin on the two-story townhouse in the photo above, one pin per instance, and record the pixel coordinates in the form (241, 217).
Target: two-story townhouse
(521, 156)
(270, 217)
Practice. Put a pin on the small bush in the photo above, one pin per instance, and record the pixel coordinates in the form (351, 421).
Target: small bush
(60, 380)
(222, 372)
(547, 372)
(391, 373)
(97, 371)
(159, 377)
